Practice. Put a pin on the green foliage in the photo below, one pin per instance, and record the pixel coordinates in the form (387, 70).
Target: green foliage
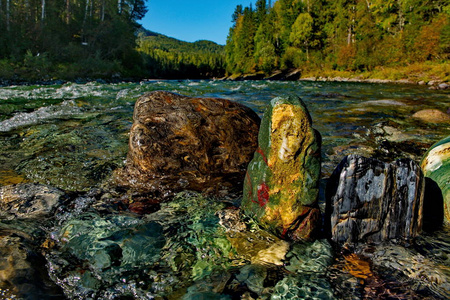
(355, 35)
(171, 58)
(42, 39)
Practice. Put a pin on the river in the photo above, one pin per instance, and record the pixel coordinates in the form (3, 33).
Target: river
(72, 136)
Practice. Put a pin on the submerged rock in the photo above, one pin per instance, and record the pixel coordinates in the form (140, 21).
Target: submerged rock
(22, 269)
(436, 167)
(432, 115)
(372, 201)
(178, 143)
(29, 200)
(282, 182)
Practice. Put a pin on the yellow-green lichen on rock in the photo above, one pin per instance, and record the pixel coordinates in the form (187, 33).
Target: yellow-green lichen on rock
(436, 166)
(281, 185)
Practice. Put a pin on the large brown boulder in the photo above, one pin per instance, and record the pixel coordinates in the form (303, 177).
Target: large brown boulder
(178, 142)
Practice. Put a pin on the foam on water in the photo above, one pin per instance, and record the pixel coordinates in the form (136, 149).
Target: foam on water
(65, 110)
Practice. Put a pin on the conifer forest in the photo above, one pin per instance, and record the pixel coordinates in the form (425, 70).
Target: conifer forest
(67, 39)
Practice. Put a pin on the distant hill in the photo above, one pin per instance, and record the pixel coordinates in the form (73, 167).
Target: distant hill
(168, 57)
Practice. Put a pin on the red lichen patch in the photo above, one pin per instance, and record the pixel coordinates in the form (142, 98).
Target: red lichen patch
(144, 207)
(263, 194)
(259, 150)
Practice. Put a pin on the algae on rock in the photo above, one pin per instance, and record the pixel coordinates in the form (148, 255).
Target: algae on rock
(436, 167)
(282, 181)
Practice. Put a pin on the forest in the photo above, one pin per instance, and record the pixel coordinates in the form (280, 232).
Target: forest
(341, 35)
(166, 57)
(71, 39)
(82, 39)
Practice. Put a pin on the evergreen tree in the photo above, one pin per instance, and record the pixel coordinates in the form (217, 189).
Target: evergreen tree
(352, 35)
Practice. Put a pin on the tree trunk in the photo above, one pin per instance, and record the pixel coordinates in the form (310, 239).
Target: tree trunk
(349, 35)
(102, 17)
(27, 9)
(42, 10)
(8, 27)
(67, 11)
(119, 6)
(86, 11)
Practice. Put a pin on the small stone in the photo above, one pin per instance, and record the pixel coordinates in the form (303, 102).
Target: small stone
(372, 201)
(258, 247)
(22, 268)
(275, 254)
(230, 219)
(443, 86)
(29, 200)
(432, 116)
(282, 182)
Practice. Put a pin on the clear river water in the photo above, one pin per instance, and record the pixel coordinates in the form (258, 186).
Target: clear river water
(72, 136)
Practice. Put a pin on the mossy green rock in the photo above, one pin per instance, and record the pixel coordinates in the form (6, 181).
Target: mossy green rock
(281, 185)
(436, 166)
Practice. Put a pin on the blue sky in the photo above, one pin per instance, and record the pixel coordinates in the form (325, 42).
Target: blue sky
(192, 20)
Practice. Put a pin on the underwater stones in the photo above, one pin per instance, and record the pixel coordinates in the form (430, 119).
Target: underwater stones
(22, 269)
(372, 201)
(182, 143)
(281, 185)
(230, 219)
(259, 247)
(432, 116)
(29, 200)
(436, 168)
(309, 257)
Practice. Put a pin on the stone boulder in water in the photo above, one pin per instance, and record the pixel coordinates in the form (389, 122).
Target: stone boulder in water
(178, 143)
(22, 269)
(281, 185)
(432, 116)
(436, 167)
(29, 200)
(372, 201)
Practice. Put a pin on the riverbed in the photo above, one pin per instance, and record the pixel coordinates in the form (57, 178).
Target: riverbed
(72, 136)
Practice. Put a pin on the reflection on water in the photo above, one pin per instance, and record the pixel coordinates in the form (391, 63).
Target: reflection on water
(72, 136)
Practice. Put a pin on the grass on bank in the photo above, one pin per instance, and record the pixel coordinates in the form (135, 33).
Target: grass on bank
(417, 72)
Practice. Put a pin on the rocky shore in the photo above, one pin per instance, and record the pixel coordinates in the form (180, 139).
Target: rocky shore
(296, 75)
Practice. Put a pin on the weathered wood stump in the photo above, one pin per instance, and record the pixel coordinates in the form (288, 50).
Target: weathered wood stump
(183, 143)
(281, 185)
(372, 201)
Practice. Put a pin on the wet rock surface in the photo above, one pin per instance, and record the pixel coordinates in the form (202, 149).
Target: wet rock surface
(436, 167)
(23, 274)
(282, 182)
(204, 248)
(432, 115)
(369, 201)
(28, 200)
(178, 142)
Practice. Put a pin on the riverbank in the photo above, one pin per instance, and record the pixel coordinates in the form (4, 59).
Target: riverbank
(436, 75)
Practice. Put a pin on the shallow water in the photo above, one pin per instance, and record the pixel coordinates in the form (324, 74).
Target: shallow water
(72, 136)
